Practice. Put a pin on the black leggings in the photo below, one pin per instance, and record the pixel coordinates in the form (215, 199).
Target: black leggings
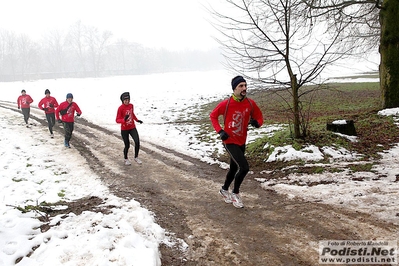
(51, 121)
(68, 129)
(239, 167)
(125, 136)
(26, 113)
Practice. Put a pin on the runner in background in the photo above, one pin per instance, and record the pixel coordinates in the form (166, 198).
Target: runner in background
(67, 110)
(48, 104)
(24, 101)
(126, 117)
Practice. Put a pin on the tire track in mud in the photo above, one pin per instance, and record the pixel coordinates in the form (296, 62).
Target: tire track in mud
(182, 194)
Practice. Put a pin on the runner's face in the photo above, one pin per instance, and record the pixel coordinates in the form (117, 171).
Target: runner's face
(241, 90)
(69, 100)
(126, 101)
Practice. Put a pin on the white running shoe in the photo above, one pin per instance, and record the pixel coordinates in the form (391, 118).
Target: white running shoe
(138, 160)
(226, 195)
(52, 136)
(237, 201)
(127, 162)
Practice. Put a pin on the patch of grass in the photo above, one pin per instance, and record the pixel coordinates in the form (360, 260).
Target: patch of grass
(61, 173)
(37, 208)
(313, 170)
(335, 170)
(359, 102)
(61, 194)
(361, 167)
(18, 179)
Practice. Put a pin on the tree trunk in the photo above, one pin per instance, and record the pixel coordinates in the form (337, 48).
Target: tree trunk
(295, 97)
(389, 52)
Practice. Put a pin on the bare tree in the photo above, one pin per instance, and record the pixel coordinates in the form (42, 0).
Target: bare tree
(77, 43)
(119, 52)
(277, 43)
(97, 42)
(54, 45)
(9, 54)
(376, 19)
(27, 55)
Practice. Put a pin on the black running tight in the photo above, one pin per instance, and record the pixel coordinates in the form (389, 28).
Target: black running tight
(239, 167)
(51, 121)
(125, 136)
(68, 129)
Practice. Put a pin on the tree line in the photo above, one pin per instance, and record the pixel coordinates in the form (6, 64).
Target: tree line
(85, 51)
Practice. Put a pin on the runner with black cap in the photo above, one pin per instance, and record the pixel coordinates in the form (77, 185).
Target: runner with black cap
(24, 101)
(67, 110)
(48, 104)
(238, 113)
(126, 117)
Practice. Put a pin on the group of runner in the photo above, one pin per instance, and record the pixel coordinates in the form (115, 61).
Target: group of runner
(65, 113)
(238, 113)
(52, 110)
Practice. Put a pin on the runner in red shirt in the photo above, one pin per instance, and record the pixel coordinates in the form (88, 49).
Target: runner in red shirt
(126, 117)
(238, 112)
(67, 110)
(24, 101)
(48, 105)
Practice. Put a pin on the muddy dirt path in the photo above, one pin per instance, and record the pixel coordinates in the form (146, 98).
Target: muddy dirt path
(182, 192)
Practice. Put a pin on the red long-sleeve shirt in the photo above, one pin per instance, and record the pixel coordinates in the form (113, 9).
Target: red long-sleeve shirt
(70, 115)
(237, 115)
(24, 101)
(48, 102)
(124, 110)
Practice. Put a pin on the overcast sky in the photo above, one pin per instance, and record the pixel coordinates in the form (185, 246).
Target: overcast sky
(173, 24)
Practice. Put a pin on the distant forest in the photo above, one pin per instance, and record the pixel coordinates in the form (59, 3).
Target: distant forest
(85, 51)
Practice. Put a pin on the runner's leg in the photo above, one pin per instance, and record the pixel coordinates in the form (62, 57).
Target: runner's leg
(126, 141)
(238, 161)
(49, 123)
(136, 139)
(25, 112)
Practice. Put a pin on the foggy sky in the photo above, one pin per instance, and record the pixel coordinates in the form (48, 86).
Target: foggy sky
(172, 24)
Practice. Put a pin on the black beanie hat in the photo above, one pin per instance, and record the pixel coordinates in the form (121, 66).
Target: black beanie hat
(47, 91)
(125, 95)
(237, 80)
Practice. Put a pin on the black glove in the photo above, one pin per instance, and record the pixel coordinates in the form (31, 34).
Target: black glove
(18, 107)
(51, 105)
(141, 122)
(126, 117)
(223, 135)
(77, 114)
(254, 123)
(45, 109)
(59, 121)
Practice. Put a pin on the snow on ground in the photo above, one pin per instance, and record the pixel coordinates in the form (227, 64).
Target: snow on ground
(375, 192)
(35, 168)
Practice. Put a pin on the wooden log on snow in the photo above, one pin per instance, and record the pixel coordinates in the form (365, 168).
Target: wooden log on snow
(346, 127)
